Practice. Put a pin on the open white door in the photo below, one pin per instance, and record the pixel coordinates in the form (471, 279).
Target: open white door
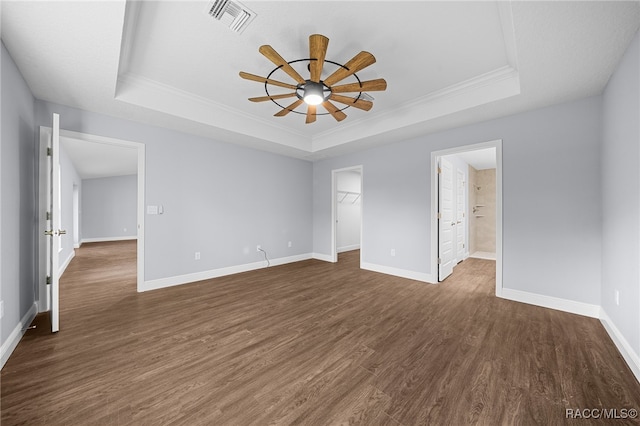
(446, 221)
(53, 224)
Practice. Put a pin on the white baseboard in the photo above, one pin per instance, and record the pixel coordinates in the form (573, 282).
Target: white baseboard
(403, 273)
(627, 352)
(551, 302)
(348, 248)
(66, 263)
(483, 255)
(323, 257)
(107, 239)
(221, 272)
(12, 341)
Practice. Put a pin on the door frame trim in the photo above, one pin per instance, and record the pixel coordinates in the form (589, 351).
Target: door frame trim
(334, 209)
(45, 131)
(435, 156)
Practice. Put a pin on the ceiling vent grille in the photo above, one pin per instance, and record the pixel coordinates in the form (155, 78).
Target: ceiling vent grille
(231, 13)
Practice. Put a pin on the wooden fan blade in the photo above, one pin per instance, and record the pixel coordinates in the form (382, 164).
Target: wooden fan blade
(288, 109)
(274, 57)
(268, 98)
(334, 111)
(357, 103)
(254, 77)
(365, 86)
(317, 50)
(311, 114)
(357, 63)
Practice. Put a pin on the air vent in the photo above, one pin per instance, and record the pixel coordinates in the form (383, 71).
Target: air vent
(233, 14)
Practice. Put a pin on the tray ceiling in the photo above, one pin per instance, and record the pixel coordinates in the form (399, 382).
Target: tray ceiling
(446, 63)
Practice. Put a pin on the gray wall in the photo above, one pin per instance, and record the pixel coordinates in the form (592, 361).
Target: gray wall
(551, 190)
(68, 178)
(219, 199)
(621, 196)
(109, 207)
(18, 211)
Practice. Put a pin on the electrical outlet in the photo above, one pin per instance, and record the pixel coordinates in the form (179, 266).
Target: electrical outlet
(289, 244)
(393, 252)
(197, 255)
(617, 298)
(258, 248)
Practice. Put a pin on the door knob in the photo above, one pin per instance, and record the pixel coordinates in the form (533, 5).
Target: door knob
(48, 232)
(61, 232)
(453, 224)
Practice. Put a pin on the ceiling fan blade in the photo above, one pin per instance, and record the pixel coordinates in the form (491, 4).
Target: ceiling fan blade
(357, 103)
(288, 109)
(254, 77)
(365, 86)
(334, 111)
(268, 98)
(274, 57)
(357, 63)
(311, 114)
(317, 50)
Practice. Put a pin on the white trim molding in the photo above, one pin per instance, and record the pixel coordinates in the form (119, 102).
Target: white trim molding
(402, 273)
(14, 338)
(108, 239)
(551, 302)
(221, 272)
(322, 257)
(348, 248)
(630, 356)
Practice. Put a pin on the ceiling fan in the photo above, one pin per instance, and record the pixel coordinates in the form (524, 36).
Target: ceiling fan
(314, 91)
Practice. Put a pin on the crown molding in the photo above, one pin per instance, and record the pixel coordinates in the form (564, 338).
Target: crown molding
(495, 85)
(142, 91)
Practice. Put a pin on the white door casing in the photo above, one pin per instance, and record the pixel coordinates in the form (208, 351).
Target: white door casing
(446, 222)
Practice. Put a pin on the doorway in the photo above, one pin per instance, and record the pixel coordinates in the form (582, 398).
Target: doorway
(458, 203)
(346, 206)
(75, 195)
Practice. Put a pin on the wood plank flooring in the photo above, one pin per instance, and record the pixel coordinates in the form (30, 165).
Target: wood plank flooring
(308, 343)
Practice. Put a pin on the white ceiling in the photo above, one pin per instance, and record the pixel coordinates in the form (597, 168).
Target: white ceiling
(447, 64)
(97, 160)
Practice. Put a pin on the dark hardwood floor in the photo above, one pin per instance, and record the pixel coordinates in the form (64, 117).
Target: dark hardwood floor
(307, 343)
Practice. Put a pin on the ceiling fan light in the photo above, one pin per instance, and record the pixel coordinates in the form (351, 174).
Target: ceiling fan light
(313, 99)
(313, 93)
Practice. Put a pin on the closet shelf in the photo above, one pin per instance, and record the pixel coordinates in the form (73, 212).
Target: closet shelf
(345, 194)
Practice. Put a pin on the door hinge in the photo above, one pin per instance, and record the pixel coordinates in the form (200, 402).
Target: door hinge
(439, 215)
(439, 170)
(48, 215)
(48, 152)
(439, 261)
(48, 279)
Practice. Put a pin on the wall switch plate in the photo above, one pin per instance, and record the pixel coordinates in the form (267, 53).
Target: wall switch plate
(289, 244)
(1, 308)
(197, 255)
(617, 298)
(393, 252)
